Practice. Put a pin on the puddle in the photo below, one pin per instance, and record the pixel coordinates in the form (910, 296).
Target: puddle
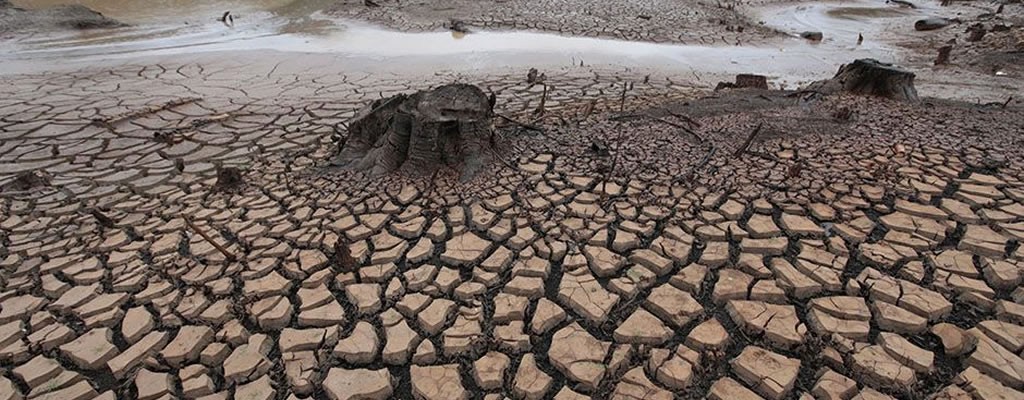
(842, 22)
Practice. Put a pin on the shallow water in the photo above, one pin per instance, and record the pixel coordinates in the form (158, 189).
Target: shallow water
(147, 11)
(288, 26)
(842, 22)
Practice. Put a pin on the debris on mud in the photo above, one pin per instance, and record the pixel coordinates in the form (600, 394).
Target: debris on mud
(943, 57)
(229, 178)
(26, 181)
(812, 36)
(870, 77)
(343, 256)
(419, 133)
(932, 23)
(458, 26)
(533, 77)
(227, 19)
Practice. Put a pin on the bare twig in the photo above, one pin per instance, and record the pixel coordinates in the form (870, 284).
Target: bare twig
(227, 254)
(750, 139)
(1007, 102)
(622, 99)
(685, 117)
(627, 117)
(543, 100)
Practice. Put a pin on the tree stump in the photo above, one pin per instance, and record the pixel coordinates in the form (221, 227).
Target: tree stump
(418, 133)
(870, 77)
(744, 81)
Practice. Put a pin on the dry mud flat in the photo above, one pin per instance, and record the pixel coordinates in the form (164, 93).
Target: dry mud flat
(693, 22)
(857, 248)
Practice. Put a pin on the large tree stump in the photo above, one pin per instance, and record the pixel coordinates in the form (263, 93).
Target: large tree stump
(870, 77)
(447, 126)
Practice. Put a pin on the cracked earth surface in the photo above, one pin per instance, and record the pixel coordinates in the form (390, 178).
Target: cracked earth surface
(622, 258)
(694, 22)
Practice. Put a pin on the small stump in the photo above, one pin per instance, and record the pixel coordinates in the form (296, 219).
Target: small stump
(744, 81)
(873, 78)
(418, 133)
(228, 179)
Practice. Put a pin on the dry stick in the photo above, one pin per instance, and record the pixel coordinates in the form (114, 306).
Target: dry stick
(693, 171)
(684, 117)
(227, 254)
(1007, 102)
(521, 124)
(750, 139)
(587, 110)
(543, 100)
(623, 117)
(680, 126)
(109, 122)
(169, 134)
(622, 99)
(627, 117)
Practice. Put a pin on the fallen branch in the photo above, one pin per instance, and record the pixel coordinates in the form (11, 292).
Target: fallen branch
(750, 139)
(521, 124)
(170, 136)
(638, 116)
(109, 122)
(543, 100)
(685, 117)
(227, 254)
(622, 100)
(680, 126)
(696, 167)
(627, 117)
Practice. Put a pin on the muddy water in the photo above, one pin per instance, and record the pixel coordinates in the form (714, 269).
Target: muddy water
(148, 11)
(269, 30)
(841, 23)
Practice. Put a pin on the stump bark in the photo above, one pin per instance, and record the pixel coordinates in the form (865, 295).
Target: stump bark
(873, 78)
(419, 133)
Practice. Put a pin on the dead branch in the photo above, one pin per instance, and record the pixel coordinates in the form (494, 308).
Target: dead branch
(750, 139)
(622, 99)
(227, 254)
(520, 124)
(543, 100)
(686, 118)
(111, 121)
(680, 126)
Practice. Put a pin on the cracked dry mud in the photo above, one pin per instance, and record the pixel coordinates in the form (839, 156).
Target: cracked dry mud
(656, 20)
(872, 258)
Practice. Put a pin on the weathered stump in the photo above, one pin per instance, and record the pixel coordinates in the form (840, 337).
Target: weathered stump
(744, 81)
(418, 133)
(229, 178)
(870, 77)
